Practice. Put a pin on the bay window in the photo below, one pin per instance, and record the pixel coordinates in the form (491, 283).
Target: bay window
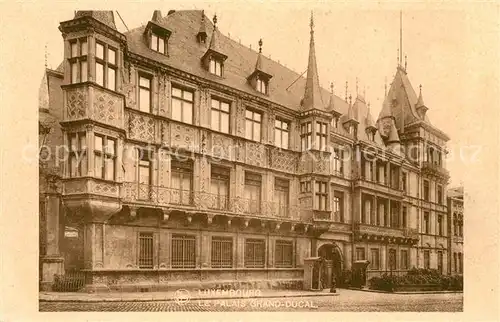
(104, 157)
(105, 66)
(321, 135)
(321, 195)
(78, 60)
(306, 136)
(77, 162)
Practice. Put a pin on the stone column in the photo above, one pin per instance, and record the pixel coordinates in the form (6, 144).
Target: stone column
(51, 262)
(348, 256)
(329, 271)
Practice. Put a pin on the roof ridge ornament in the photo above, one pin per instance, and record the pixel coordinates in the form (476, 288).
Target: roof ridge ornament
(260, 46)
(215, 21)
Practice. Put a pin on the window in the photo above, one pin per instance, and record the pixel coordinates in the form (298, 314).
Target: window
(335, 122)
(381, 173)
(404, 181)
(220, 116)
(305, 186)
(253, 183)
(455, 267)
(78, 60)
(219, 187)
(253, 120)
(105, 66)
(281, 133)
(427, 223)
(144, 174)
(321, 195)
(375, 259)
(222, 252)
(159, 43)
(182, 105)
(338, 206)
(145, 93)
(215, 66)
(427, 259)
(404, 259)
(281, 196)
(366, 215)
(439, 198)
(360, 253)
(306, 136)
(338, 164)
(104, 157)
(261, 85)
(283, 253)
(392, 259)
(146, 250)
(440, 262)
(182, 182)
(183, 251)
(405, 217)
(321, 135)
(460, 263)
(255, 253)
(77, 154)
(426, 190)
(371, 136)
(440, 225)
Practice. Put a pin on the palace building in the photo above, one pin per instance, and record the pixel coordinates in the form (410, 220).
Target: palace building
(190, 160)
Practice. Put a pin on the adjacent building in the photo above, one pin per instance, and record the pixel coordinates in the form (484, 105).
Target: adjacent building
(455, 204)
(189, 159)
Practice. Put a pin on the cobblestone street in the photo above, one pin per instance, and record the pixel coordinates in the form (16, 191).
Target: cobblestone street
(347, 301)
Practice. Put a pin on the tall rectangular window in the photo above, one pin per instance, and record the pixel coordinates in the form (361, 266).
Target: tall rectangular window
(338, 161)
(321, 195)
(283, 253)
(220, 116)
(427, 259)
(455, 267)
(404, 182)
(281, 133)
(182, 105)
(182, 182)
(78, 60)
(146, 250)
(366, 215)
(105, 66)
(253, 121)
(439, 196)
(426, 190)
(222, 252)
(440, 261)
(216, 66)
(219, 187)
(460, 263)
(392, 259)
(306, 136)
(281, 196)
(255, 251)
(183, 251)
(360, 253)
(144, 173)
(427, 223)
(405, 217)
(321, 135)
(104, 157)
(252, 192)
(440, 225)
(77, 162)
(404, 264)
(262, 86)
(375, 259)
(145, 93)
(338, 206)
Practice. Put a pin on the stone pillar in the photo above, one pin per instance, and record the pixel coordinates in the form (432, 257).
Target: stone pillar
(51, 262)
(206, 249)
(240, 246)
(348, 256)
(383, 257)
(329, 271)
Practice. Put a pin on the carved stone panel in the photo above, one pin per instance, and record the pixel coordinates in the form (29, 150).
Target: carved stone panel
(283, 160)
(182, 136)
(108, 108)
(221, 147)
(255, 154)
(141, 127)
(76, 103)
(104, 188)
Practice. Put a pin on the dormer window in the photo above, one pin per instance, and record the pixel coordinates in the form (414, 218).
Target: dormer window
(159, 43)
(216, 66)
(261, 85)
(335, 122)
(371, 136)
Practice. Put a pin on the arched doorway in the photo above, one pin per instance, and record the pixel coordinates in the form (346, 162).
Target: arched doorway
(332, 256)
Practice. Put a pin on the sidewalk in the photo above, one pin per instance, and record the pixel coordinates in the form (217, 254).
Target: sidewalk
(179, 295)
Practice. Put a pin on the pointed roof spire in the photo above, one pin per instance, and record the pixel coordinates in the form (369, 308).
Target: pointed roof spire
(202, 32)
(214, 46)
(393, 134)
(156, 16)
(43, 94)
(46, 55)
(346, 88)
(331, 103)
(312, 93)
(370, 124)
(420, 101)
(386, 110)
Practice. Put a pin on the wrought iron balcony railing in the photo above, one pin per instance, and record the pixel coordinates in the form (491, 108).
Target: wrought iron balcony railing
(134, 192)
(435, 169)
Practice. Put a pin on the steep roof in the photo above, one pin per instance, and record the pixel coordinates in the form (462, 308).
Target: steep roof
(106, 17)
(185, 54)
(312, 91)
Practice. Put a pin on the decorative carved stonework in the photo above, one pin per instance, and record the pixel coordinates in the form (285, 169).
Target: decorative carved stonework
(283, 160)
(141, 127)
(182, 136)
(104, 188)
(221, 147)
(77, 186)
(107, 109)
(76, 104)
(255, 154)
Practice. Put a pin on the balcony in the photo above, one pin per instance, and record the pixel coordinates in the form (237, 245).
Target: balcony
(379, 187)
(145, 195)
(367, 232)
(435, 169)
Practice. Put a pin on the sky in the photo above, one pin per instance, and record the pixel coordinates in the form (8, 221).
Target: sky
(443, 44)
